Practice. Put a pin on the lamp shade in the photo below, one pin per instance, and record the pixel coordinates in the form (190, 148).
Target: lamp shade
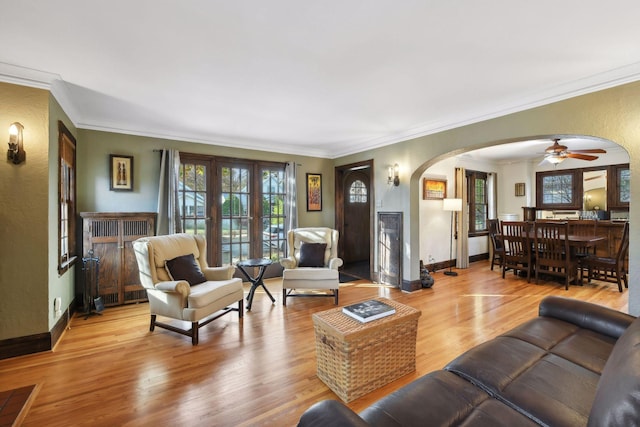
(452, 205)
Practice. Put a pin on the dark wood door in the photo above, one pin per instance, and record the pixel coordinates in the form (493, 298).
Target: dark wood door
(356, 239)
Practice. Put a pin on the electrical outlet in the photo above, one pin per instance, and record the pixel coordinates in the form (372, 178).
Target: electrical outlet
(57, 306)
(431, 259)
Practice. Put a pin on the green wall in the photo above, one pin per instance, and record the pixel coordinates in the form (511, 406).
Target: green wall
(94, 148)
(24, 225)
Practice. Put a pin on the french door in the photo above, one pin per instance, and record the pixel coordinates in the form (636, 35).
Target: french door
(238, 205)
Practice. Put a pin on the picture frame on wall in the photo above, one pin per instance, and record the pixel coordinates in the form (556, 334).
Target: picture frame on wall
(520, 189)
(434, 189)
(121, 172)
(314, 192)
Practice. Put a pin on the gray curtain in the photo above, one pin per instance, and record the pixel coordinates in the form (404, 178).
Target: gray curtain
(168, 203)
(492, 195)
(291, 196)
(462, 230)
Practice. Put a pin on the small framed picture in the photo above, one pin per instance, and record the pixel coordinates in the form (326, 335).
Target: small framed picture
(314, 192)
(434, 189)
(519, 189)
(121, 171)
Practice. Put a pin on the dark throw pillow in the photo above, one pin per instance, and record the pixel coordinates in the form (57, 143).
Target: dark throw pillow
(312, 254)
(185, 267)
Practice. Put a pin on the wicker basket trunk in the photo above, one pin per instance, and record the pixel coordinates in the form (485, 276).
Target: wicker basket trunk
(356, 358)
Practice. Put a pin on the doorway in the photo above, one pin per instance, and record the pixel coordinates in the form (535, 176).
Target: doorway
(238, 205)
(354, 193)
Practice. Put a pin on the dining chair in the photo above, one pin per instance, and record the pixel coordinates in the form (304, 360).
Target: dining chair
(609, 269)
(553, 255)
(517, 246)
(497, 243)
(583, 227)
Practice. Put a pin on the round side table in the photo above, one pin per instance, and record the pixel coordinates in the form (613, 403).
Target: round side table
(262, 264)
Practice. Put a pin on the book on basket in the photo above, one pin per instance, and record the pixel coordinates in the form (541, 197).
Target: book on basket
(368, 310)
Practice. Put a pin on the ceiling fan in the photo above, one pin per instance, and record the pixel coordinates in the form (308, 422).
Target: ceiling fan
(557, 153)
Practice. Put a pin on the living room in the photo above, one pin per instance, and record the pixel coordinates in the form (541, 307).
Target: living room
(28, 263)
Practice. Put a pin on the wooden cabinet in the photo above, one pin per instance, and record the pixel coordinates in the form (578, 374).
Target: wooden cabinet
(110, 236)
(612, 232)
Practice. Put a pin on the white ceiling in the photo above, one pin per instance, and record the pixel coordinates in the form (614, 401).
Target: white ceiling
(535, 149)
(322, 78)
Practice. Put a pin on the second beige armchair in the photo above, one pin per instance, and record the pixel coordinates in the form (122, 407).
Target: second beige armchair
(312, 263)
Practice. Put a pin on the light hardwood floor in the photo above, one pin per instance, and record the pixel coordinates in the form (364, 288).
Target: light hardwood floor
(110, 370)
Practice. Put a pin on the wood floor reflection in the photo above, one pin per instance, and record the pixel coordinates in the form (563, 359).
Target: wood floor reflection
(110, 370)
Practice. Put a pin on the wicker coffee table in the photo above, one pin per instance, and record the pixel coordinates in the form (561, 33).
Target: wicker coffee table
(356, 358)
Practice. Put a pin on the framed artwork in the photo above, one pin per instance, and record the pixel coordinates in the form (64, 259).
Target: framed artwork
(434, 189)
(520, 189)
(314, 192)
(121, 171)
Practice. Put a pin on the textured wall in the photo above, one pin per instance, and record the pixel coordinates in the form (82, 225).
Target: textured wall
(24, 195)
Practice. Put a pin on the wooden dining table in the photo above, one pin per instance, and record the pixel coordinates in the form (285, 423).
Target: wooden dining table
(576, 242)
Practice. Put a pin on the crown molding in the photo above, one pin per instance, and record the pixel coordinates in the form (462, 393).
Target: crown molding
(23, 76)
(590, 84)
(29, 77)
(222, 141)
(44, 80)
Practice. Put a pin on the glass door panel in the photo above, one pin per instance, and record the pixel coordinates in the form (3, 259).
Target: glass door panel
(192, 195)
(235, 219)
(274, 237)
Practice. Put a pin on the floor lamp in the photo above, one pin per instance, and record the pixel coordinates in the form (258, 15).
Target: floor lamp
(453, 205)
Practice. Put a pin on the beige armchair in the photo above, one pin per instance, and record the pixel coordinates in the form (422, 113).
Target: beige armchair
(311, 265)
(181, 285)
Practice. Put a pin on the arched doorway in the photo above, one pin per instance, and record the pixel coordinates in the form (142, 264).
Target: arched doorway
(509, 172)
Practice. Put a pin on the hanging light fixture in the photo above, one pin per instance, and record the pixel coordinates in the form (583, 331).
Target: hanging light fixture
(555, 159)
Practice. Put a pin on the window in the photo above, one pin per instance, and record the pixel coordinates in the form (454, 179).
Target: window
(624, 189)
(620, 185)
(478, 203)
(358, 192)
(66, 198)
(559, 189)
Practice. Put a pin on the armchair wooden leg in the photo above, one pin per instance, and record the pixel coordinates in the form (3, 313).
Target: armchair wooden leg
(194, 333)
(284, 296)
(152, 326)
(241, 308)
(335, 292)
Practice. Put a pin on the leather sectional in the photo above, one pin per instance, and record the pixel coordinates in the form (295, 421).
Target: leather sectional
(576, 364)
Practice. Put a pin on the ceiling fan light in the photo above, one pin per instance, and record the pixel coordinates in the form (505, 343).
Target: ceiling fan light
(555, 159)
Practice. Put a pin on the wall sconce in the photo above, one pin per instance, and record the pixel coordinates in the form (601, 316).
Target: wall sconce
(16, 151)
(393, 176)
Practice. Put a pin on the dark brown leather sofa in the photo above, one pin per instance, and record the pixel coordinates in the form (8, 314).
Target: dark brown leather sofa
(576, 364)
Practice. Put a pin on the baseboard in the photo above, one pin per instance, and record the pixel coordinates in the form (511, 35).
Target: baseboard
(21, 346)
(444, 265)
(479, 257)
(411, 285)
